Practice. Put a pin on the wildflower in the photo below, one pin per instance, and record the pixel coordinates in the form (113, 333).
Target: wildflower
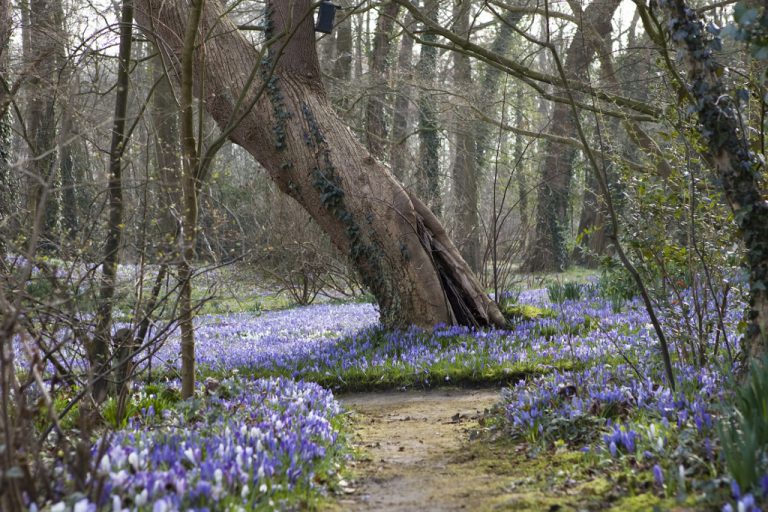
(658, 475)
(735, 489)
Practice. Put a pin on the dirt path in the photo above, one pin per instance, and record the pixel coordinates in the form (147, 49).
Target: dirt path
(415, 447)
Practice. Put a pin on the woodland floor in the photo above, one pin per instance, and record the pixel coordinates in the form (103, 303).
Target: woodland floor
(413, 450)
(432, 451)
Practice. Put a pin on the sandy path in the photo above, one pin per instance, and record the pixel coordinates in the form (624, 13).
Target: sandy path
(414, 445)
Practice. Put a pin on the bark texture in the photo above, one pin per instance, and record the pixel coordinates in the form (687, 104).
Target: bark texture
(6, 190)
(547, 251)
(428, 179)
(41, 48)
(375, 123)
(99, 353)
(739, 169)
(465, 174)
(399, 153)
(401, 251)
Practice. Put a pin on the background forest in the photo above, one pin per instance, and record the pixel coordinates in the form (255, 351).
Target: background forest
(170, 169)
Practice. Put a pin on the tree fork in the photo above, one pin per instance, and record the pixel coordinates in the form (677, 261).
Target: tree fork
(310, 154)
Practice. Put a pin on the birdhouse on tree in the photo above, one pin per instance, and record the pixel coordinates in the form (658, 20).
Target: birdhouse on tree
(325, 15)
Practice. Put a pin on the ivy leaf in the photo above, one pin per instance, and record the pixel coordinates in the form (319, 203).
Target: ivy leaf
(760, 52)
(744, 15)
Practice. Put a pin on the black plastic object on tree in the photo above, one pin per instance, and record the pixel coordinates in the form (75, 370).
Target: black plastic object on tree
(325, 16)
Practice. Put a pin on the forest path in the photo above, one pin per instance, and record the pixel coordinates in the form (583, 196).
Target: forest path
(416, 455)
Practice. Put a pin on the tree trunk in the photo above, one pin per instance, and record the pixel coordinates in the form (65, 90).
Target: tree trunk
(428, 182)
(739, 169)
(376, 128)
(190, 185)
(547, 251)
(67, 144)
(520, 172)
(6, 190)
(342, 68)
(490, 85)
(41, 50)
(400, 250)
(99, 352)
(399, 152)
(164, 113)
(465, 176)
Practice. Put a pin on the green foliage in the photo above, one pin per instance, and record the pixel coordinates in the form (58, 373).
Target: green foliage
(751, 27)
(560, 292)
(40, 288)
(152, 397)
(744, 435)
(518, 312)
(616, 285)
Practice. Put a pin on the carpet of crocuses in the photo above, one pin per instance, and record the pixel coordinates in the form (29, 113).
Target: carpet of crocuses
(250, 444)
(588, 376)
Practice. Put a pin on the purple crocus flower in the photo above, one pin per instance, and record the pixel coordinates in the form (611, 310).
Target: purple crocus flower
(658, 475)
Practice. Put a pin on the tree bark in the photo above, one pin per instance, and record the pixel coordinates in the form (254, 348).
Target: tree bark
(547, 251)
(739, 169)
(375, 125)
(190, 185)
(428, 182)
(465, 174)
(41, 51)
(6, 190)
(99, 351)
(402, 253)
(399, 154)
(67, 145)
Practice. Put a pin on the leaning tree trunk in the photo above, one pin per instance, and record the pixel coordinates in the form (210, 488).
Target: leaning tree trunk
(399, 248)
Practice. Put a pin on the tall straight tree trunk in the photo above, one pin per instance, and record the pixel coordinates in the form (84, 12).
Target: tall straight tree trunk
(342, 68)
(465, 178)
(41, 53)
(399, 153)
(592, 235)
(67, 145)
(490, 86)
(99, 353)
(400, 249)
(520, 176)
(428, 183)
(6, 190)
(165, 119)
(376, 127)
(547, 251)
(191, 165)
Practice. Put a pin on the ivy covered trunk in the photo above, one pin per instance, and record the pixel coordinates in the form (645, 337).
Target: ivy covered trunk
(285, 120)
(739, 169)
